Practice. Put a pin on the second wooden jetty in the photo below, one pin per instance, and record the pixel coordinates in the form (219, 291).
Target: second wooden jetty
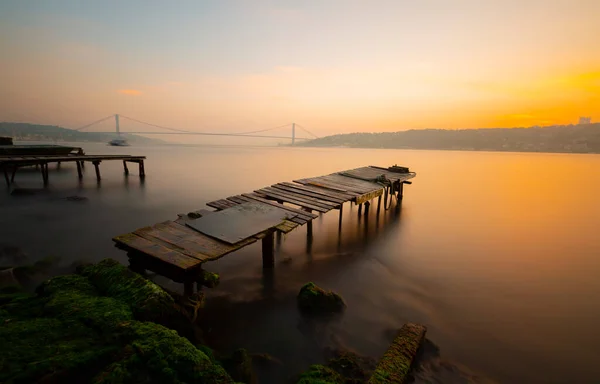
(177, 248)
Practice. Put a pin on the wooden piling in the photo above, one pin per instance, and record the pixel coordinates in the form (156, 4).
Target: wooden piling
(44, 169)
(142, 171)
(6, 176)
(367, 205)
(400, 190)
(79, 165)
(97, 168)
(379, 203)
(125, 167)
(359, 209)
(268, 250)
(14, 172)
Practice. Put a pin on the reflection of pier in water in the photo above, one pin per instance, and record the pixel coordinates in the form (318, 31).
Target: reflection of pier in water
(177, 249)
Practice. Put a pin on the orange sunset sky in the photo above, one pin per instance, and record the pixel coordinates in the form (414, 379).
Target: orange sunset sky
(331, 66)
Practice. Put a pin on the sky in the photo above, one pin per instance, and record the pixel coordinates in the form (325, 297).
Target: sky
(331, 66)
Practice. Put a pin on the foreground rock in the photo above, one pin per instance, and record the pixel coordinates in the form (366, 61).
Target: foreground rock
(315, 300)
(395, 365)
(342, 368)
(102, 325)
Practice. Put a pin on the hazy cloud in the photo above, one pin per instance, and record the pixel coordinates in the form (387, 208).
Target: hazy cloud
(131, 92)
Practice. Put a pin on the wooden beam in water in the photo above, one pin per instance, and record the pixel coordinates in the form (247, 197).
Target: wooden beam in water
(395, 365)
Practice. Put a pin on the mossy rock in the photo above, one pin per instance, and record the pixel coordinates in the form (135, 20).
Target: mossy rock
(320, 374)
(353, 368)
(80, 329)
(315, 300)
(210, 279)
(148, 301)
(155, 354)
(48, 350)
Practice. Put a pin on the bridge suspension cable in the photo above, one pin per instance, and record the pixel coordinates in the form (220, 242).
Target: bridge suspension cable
(262, 130)
(156, 126)
(95, 122)
(307, 131)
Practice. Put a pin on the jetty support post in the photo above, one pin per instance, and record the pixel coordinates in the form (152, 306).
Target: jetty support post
(142, 170)
(14, 172)
(96, 166)
(6, 176)
(341, 210)
(268, 249)
(44, 169)
(379, 204)
(79, 167)
(400, 190)
(125, 167)
(360, 209)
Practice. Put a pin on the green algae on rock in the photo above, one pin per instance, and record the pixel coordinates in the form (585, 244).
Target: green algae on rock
(343, 367)
(315, 300)
(85, 328)
(395, 365)
(320, 374)
(155, 354)
(239, 366)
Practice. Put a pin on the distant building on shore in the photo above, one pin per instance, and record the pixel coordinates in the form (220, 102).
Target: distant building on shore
(585, 120)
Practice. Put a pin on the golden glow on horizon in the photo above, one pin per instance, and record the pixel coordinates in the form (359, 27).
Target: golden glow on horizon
(131, 92)
(467, 67)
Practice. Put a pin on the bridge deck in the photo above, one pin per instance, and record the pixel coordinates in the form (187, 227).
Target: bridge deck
(177, 251)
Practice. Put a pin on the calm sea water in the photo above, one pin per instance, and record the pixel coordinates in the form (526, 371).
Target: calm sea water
(497, 253)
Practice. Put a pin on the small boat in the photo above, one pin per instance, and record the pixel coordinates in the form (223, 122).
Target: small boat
(118, 143)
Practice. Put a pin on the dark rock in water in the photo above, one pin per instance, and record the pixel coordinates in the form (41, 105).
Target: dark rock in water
(320, 374)
(239, 367)
(342, 367)
(354, 368)
(315, 300)
(86, 328)
(79, 199)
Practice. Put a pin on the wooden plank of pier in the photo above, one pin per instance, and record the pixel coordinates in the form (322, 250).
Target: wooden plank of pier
(182, 249)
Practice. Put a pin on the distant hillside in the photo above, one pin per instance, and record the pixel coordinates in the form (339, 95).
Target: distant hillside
(34, 132)
(566, 138)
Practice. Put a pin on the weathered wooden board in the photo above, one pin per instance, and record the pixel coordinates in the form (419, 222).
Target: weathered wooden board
(358, 185)
(315, 195)
(286, 226)
(239, 222)
(323, 191)
(300, 218)
(189, 242)
(167, 255)
(301, 214)
(331, 184)
(368, 196)
(289, 199)
(298, 196)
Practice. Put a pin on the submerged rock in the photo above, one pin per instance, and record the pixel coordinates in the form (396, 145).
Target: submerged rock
(343, 367)
(320, 374)
(315, 300)
(90, 328)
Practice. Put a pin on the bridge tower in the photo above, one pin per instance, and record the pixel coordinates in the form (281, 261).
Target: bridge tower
(117, 124)
(293, 133)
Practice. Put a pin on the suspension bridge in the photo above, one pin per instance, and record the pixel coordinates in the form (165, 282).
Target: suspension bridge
(175, 131)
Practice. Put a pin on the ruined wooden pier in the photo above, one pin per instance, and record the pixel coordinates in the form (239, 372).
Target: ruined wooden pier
(177, 249)
(10, 164)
